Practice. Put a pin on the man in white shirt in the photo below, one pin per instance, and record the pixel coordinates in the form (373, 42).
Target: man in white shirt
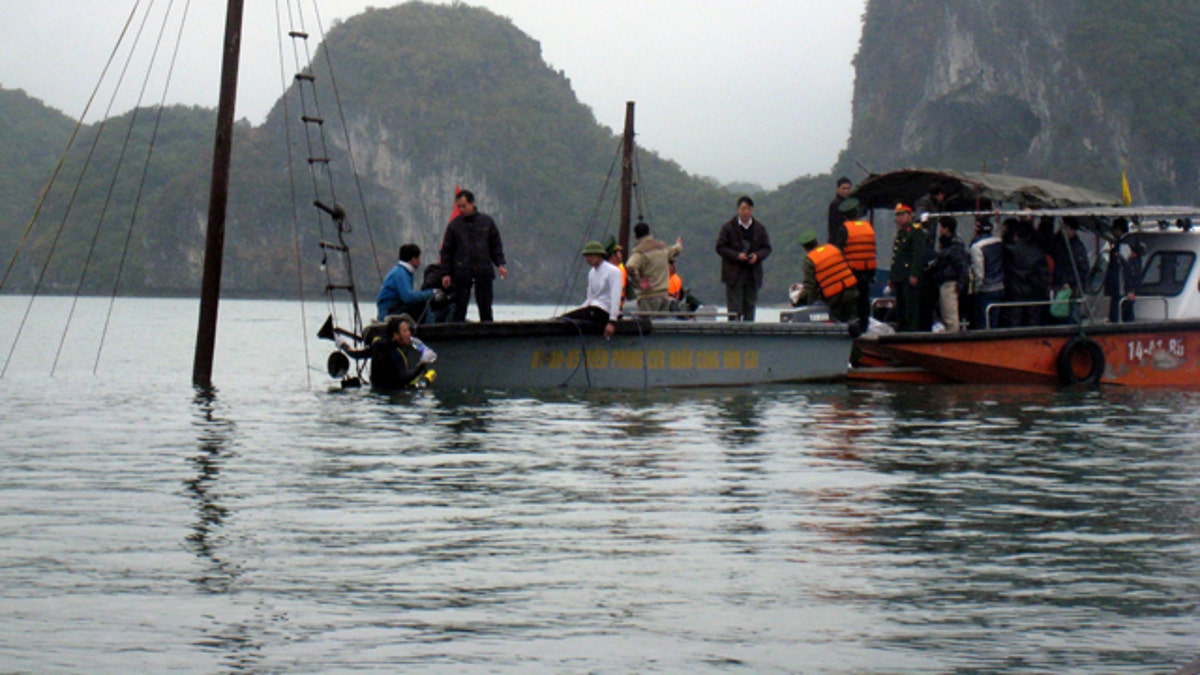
(603, 303)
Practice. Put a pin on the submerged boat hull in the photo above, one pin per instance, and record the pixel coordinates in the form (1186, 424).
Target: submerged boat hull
(642, 355)
(1140, 354)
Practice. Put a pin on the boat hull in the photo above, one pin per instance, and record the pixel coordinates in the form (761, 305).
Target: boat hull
(1140, 354)
(642, 355)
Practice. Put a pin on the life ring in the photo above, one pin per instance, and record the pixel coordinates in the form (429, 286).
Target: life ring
(1081, 361)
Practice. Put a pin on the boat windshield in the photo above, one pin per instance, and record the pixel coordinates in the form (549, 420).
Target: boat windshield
(1166, 273)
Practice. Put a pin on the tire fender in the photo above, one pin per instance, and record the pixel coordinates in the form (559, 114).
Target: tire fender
(1080, 361)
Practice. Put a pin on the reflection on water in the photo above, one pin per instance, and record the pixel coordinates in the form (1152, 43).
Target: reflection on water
(213, 436)
(829, 528)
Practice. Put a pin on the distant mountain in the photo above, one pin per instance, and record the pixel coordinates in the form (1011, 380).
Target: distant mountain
(1070, 90)
(432, 97)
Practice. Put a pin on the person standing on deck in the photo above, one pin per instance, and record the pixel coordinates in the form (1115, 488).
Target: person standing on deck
(860, 253)
(1070, 265)
(743, 244)
(470, 249)
(1026, 277)
(909, 250)
(649, 269)
(1124, 272)
(951, 271)
(837, 219)
(987, 275)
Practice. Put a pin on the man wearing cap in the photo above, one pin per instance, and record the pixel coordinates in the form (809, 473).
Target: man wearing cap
(602, 306)
(987, 274)
(908, 262)
(743, 244)
(827, 277)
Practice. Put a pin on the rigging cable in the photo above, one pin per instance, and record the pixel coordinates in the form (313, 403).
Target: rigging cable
(593, 220)
(78, 183)
(141, 183)
(291, 170)
(337, 98)
(330, 207)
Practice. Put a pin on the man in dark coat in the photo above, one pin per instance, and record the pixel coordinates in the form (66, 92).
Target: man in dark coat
(1070, 263)
(1026, 276)
(1124, 272)
(743, 244)
(837, 218)
(470, 249)
(951, 273)
(909, 255)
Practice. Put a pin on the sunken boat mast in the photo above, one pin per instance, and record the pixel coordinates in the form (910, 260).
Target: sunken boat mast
(218, 198)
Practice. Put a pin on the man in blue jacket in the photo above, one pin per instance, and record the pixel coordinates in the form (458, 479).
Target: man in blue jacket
(398, 294)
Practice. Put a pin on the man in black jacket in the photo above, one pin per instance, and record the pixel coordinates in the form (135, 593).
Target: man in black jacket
(470, 249)
(743, 244)
(1026, 276)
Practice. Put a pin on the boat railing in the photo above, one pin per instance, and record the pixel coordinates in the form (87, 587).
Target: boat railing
(1076, 302)
(1160, 298)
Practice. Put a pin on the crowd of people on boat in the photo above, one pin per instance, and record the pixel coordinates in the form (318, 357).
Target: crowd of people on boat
(1025, 274)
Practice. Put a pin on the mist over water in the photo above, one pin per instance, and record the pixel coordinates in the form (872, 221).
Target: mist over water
(279, 526)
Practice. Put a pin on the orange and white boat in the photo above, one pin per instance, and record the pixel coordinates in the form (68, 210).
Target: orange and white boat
(1161, 348)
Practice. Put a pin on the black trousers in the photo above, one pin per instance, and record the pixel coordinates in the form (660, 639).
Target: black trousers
(462, 296)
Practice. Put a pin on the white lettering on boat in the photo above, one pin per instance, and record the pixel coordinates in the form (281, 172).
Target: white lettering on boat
(1147, 349)
(654, 359)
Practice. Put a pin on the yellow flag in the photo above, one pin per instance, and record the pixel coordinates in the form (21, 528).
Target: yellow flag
(1126, 198)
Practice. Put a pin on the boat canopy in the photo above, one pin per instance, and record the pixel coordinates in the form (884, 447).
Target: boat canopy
(968, 191)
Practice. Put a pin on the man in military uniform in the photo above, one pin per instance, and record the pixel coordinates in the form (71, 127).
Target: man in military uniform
(909, 252)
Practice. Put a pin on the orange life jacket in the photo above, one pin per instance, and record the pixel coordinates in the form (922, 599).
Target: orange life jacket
(675, 286)
(833, 274)
(860, 245)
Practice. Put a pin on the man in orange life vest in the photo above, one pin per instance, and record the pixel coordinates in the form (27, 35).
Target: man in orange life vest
(828, 277)
(859, 251)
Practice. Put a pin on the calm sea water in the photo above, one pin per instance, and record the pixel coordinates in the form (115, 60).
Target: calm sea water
(278, 526)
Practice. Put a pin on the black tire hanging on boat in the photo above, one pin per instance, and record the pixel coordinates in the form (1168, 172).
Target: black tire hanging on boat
(337, 365)
(1081, 361)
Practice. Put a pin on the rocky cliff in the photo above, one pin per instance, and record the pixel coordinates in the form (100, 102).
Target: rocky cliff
(1070, 90)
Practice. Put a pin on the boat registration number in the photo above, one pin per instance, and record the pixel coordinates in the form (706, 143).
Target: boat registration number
(1143, 349)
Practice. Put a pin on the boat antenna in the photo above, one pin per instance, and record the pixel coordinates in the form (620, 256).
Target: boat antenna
(218, 197)
(626, 178)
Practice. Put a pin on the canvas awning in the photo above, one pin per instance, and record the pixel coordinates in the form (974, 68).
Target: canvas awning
(965, 189)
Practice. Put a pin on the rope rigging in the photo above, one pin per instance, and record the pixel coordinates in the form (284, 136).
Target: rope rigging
(79, 180)
(65, 186)
(340, 288)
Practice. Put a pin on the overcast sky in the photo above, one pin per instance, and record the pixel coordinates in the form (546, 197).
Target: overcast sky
(747, 90)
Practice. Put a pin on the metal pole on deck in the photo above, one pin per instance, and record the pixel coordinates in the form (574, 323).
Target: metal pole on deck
(626, 180)
(218, 197)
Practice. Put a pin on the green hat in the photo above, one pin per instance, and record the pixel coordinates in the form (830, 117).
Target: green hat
(807, 236)
(594, 248)
(611, 246)
(849, 205)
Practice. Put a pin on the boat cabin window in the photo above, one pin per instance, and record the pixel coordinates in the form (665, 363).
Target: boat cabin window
(1167, 273)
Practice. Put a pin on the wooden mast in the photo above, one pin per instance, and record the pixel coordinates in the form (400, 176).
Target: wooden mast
(626, 180)
(218, 197)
